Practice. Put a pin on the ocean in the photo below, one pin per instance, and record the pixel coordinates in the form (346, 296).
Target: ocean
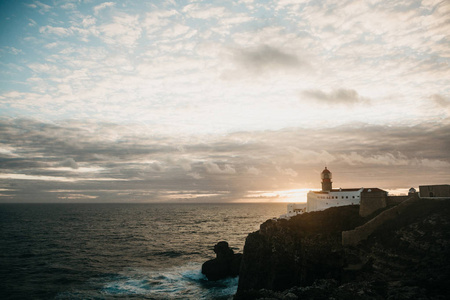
(117, 251)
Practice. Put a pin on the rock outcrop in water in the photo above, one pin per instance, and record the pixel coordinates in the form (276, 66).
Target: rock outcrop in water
(303, 258)
(226, 263)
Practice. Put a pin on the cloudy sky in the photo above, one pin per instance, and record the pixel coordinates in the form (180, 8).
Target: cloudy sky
(215, 101)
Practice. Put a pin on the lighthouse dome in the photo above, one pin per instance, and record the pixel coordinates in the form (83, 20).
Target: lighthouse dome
(326, 174)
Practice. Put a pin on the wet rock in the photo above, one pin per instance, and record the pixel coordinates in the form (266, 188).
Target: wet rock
(226, 264)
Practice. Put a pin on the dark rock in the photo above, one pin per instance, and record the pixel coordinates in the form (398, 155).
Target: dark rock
(406, 258)
(226, 263)
(286, 253)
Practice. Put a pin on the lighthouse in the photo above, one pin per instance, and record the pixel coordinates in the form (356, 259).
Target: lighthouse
(326, 180)
(327, 197)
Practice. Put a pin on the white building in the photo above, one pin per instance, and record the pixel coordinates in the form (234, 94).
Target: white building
(324, 199)
(294, 209)
(327, 197)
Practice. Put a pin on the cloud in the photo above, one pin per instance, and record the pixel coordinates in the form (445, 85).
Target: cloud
(175, 31)
(213, 168)
(69, 6)
(88, 21)
(32, 23)
(309, 156)
(119, 67)
(102, 6)
(287, 171)
(195, 175)
(198, 11)
(125, 30)
(185, 164)
(72, 196)
(7, 176)
(42, 8)
(156, 166)
(130, 158)
(156, 20)
(440, 100)
(69, 162)
(253, 171)
(266, 58)
(387, 159)
(59, 31)
(282, 3)
(339, 96)
(13, 50)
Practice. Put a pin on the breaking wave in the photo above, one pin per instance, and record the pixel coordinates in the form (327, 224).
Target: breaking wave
(177, 283)
(186, 282)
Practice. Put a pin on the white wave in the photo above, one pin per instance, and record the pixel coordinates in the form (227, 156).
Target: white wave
(186, 282)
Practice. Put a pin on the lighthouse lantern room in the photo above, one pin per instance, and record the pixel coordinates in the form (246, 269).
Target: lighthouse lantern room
(326, 180)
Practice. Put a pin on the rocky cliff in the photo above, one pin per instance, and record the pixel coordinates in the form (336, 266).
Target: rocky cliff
(303, 258)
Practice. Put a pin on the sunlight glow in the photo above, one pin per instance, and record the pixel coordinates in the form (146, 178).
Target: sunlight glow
(286, 196)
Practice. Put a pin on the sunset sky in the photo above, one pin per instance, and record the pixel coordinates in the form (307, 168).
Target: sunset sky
(217, 101)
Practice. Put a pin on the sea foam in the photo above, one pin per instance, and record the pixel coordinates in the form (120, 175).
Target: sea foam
(174, 283)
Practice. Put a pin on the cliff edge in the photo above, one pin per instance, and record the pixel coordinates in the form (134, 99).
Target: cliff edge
(304, 258)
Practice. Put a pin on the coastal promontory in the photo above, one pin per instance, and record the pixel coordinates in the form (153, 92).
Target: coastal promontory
(405, 256)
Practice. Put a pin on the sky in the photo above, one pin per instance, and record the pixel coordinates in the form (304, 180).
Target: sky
(221, 101)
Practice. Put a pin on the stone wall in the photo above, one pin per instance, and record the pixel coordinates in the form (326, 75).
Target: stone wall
(395, 200)
(371, 202)
(442, 190)
(355, 236)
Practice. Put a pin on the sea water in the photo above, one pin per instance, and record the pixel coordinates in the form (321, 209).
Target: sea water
(116, 251)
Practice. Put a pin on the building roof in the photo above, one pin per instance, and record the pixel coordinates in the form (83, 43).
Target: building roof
(346, 190)
(326, 170)
(336, 191)
(364, 190)
(373, 190)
